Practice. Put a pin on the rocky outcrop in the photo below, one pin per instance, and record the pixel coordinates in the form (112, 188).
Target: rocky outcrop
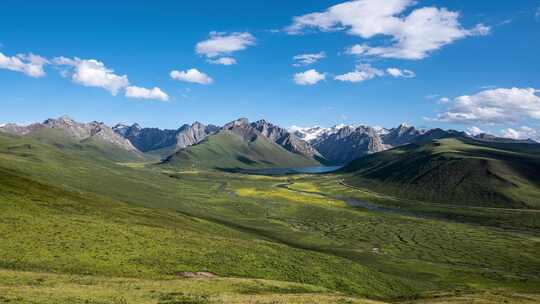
(194, 134)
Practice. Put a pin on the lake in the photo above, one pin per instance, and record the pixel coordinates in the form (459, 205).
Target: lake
(287, 171)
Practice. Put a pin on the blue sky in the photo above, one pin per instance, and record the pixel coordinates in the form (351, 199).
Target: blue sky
(452, 64)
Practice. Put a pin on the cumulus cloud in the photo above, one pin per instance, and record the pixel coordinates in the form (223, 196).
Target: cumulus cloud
(309, 77)
(29, 64)
(144, 93)
(443, 100)
(395, 72)
(474, 130)
(413, 36)
(223, 61)
(523, 132)
(222, 43)
(93, 73)
(307, 59)
(191, 75)
(362, 72)
(494, 106)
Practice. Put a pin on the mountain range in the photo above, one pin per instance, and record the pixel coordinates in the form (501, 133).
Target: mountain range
(241, 143)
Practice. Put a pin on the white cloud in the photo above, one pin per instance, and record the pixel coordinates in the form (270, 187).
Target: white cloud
(144, 93)
(93, 73)
(395, 72)
(191, 75)
(223, 61)
(510, 133)
(537, 14)
(523, 132)
(443, 100)
(494, 106)
(309, 77)
(307, 59)
(413, 36)
(357, 49)
(29, 64)
(223, 43)
(475, 130)
(362, 72)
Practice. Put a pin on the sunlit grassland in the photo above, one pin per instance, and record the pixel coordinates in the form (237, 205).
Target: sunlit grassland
(33, 287)
(283, 194)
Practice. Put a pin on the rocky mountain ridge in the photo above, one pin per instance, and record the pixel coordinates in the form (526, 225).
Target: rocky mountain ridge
(336, 145)
(78, 131)
(152, 139)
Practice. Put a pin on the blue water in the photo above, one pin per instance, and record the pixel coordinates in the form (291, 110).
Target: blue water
(286, 171)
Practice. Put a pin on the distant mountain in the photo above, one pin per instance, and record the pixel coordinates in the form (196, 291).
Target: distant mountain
(348, 143)
(194, 134)
(493, 138)
(65, 131)
(147, 139)
(313, 134)
(457, 169)
(342, 144)
(239, 144)
(401, 135)
(76, 130)
(284, 138)
(164, 142)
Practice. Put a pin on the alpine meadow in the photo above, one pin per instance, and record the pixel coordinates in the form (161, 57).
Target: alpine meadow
(212, 152)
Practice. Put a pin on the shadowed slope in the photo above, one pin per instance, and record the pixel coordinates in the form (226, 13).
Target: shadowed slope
(455, 170)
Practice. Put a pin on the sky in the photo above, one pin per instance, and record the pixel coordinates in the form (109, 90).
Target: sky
(452, 64)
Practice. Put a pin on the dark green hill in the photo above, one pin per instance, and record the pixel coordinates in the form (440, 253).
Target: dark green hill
(455, 170)
(228, 150)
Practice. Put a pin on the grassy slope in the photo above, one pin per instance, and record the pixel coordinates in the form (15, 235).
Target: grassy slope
(74, 214)
(89, 148)
(455, 170)
(226, 150)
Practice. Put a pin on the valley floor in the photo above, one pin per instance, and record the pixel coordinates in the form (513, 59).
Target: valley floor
(81, 230)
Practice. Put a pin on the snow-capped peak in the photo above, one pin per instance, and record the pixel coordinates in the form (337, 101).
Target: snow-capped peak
(311, 134)
(381, 130)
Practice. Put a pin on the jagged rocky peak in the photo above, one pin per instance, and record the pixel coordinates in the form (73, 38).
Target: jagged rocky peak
(240, 122)
(242, 127)
(284, 138)
(269, 130)
(166, 141)
(403, 134)
(61, 121)
(317, 133)
(193, 134)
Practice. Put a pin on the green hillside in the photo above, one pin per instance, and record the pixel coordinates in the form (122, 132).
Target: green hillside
(92, 148)
(455, 170)
(226, 150)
